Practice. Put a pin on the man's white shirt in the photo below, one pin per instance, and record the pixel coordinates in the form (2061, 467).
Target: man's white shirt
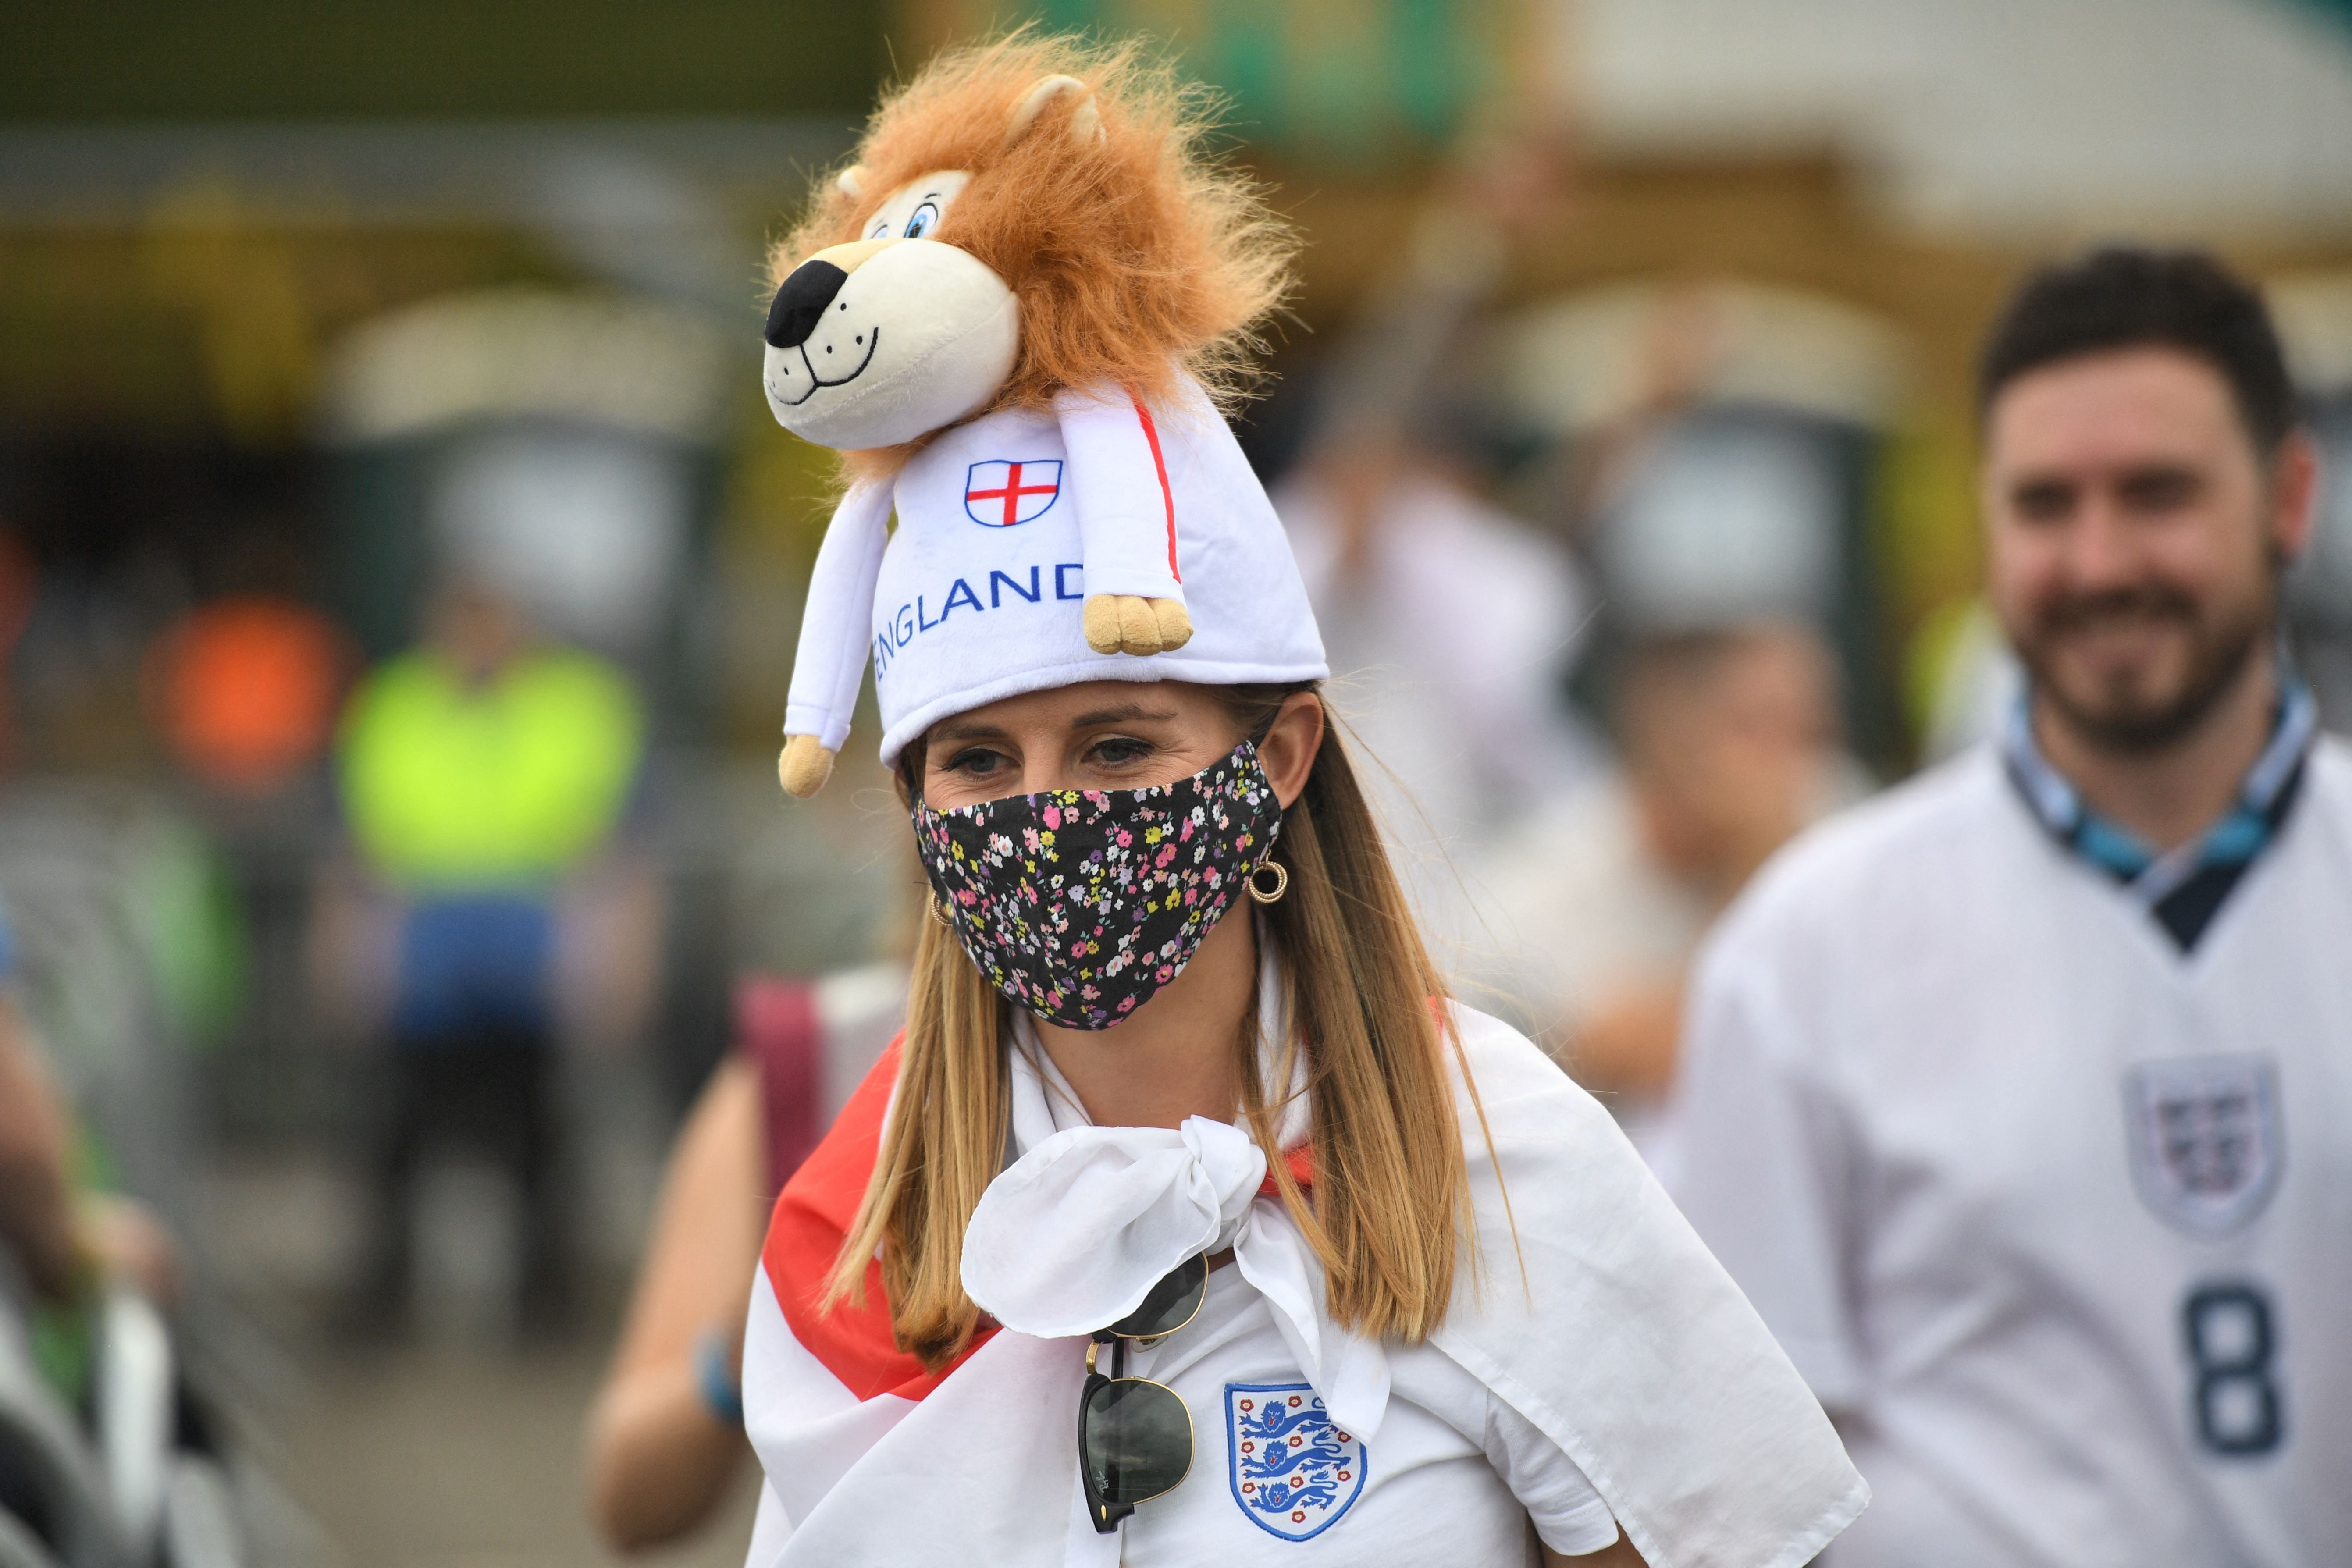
(2055, 1217)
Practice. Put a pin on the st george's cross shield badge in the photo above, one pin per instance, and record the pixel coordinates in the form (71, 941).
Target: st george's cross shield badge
(1292, 1471)
(1001, 493)
(2206, 1147)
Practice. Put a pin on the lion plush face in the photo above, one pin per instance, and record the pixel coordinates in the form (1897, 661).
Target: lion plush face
(886, 338)
(1023, 217)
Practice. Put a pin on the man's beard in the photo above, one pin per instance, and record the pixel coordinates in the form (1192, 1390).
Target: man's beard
(2122, 719)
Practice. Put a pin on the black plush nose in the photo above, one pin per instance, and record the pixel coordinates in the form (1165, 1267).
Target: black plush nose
(792, 315)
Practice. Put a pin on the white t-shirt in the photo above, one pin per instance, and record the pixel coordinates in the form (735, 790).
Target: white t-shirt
(1454, 1478)
(2055, 1218)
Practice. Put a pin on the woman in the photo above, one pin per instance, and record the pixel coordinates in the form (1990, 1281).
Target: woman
(1182, 1227)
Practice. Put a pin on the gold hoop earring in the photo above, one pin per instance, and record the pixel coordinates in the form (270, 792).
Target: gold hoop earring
(931, 903)
(1281, 881)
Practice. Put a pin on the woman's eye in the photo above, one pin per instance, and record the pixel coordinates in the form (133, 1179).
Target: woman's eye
(926, 218)
(1121, 752)
(974, 764)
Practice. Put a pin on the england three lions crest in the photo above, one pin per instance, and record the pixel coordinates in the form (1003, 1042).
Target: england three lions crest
(1002, 493)
(1293, 1472)
(2206, 1147)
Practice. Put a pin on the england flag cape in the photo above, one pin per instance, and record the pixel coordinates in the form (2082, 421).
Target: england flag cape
(1594, 1311)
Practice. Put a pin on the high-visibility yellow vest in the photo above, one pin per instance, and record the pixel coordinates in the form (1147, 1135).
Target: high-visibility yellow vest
(507, 785)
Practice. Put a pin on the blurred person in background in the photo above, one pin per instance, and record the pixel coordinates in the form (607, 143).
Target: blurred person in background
(482, 774)
(1729, 743)
(244, 690)
(60, 1236)
(1447, 619)
(666, 1437)
(2018, 1101)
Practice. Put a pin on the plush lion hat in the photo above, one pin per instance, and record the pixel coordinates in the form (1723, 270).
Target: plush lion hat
(1135, 260)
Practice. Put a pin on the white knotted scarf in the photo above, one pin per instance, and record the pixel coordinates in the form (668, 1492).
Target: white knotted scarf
(1077, 1229)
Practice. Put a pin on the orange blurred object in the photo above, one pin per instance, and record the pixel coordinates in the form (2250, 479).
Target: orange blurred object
(246, 689)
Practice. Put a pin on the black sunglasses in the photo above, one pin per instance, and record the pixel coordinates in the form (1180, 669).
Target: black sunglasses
(1135, 1435)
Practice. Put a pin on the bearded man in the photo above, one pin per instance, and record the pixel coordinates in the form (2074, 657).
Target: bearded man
(2019, 1100)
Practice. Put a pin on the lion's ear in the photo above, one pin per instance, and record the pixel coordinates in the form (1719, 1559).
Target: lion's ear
(852, 181)
(1086, 119)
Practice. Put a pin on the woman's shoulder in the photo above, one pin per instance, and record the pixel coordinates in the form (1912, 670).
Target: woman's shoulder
(1521, 1093)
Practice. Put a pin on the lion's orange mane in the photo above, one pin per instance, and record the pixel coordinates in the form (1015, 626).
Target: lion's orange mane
(1137, 260)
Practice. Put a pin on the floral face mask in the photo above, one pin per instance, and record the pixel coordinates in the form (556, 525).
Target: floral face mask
(1079, 905)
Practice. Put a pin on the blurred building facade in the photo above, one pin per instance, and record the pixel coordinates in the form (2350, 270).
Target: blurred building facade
(1853, 186)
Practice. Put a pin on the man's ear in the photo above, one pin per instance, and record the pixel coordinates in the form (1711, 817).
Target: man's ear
(2294, 493)
(1291, 744)
(1086, 119)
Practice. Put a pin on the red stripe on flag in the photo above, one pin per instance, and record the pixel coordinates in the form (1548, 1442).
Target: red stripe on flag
(1167, 496)
(812, 1213)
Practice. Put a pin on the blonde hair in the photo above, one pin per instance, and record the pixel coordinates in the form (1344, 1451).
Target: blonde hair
(1136, 259)
(1391, 1201)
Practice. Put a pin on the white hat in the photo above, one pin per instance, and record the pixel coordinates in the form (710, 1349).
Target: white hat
(1005, 526)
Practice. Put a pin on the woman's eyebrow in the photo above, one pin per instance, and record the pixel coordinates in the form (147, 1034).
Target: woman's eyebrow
(971, 731)
(1125, 714)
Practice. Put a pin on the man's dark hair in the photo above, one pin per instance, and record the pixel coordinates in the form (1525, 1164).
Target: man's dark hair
(2124, 297)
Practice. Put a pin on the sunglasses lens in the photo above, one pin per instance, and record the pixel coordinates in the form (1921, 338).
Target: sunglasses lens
(1170, 1305)
(1138, 1440)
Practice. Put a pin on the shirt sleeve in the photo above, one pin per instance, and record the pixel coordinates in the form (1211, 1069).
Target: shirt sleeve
(1761, 1163)
(1119, 457)
(1568, 1512)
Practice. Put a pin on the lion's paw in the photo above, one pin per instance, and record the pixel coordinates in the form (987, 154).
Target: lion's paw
(803, 766)
(1128, 623)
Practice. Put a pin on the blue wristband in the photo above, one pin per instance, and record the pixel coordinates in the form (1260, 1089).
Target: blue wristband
(720, 1393)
